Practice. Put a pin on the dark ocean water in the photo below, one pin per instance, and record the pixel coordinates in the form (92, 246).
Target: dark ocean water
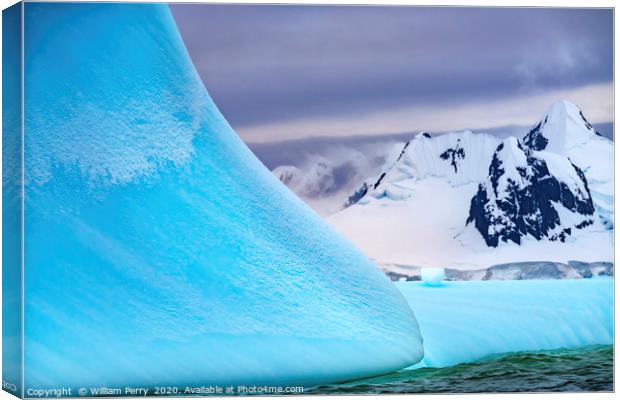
(588, 369)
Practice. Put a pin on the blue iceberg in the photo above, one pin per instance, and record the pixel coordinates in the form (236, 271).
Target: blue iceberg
(469, 321)
(158, 249)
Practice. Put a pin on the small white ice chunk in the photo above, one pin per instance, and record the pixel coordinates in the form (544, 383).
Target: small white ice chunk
(433, 276)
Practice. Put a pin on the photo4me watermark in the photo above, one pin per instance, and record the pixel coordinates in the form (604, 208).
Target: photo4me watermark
(162, 391)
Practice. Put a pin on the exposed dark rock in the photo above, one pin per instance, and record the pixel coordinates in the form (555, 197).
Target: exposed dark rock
(359, 193)
(588, 125)
(534, 139)
(376, 185)
(402, 152)
(454, 155)
(526, 207)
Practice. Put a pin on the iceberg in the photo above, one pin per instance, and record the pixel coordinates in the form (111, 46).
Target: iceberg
(158, 249)
(468, 321)
(432, 276)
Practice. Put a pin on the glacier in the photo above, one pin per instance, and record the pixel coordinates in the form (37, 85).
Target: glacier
(468, 321)
(158, 249)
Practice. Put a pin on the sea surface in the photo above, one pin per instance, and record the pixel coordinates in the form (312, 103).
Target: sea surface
(585, 369)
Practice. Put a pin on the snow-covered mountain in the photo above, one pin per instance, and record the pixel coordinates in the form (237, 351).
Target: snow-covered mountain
(471, 200)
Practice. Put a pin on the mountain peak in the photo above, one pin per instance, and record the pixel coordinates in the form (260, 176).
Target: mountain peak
(562, 128)
(563, 108)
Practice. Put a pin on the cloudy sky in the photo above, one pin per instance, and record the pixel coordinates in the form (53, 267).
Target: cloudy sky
(298, 72)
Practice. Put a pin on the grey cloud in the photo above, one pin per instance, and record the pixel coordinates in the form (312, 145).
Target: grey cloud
(269, 63)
